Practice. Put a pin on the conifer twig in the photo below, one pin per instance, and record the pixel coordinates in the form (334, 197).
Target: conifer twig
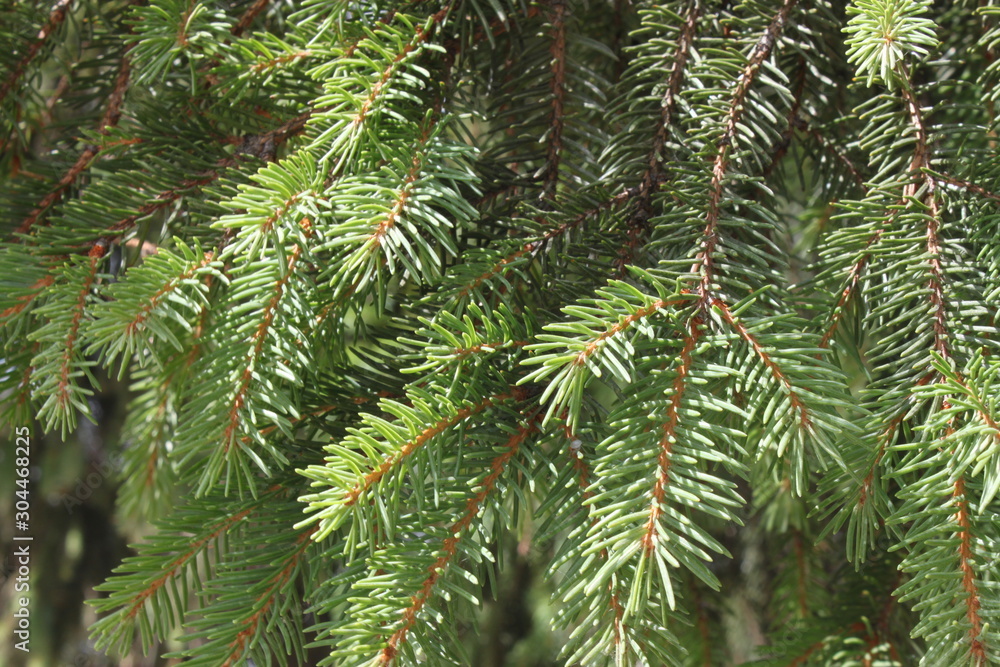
(56, 16)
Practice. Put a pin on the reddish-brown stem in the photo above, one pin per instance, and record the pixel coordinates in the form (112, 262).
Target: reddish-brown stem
(281, 60)
(319, 412)
(967, 185)
(653, 174)
(668, 437)
(668, 105)
(558, 88)
(796, 401)
(918, 172)
(37, 289)
(449, 548)
(394, 459)
(110, 119)
(56, 17)
(793, 113)
(977, 648)
(387, 223)
(177, 563)
(147, 308)
(704, 262)
(160, 202)
(275, 583)
(23, 390)
(529, 248)
(583, 475)
(887, 436)
(248, 17)
(247, 144)
(616, 329)
(259, 338)
(421, 34)
(65, 367)
(853, 280)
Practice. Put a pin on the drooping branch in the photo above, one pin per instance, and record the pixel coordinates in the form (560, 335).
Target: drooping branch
(919, 172)
(174, 566)
(885, 439)
(558, 86)
(63, 395)
(977, 647)
(853, 282)
(112, 114)
(793, 397)
(473, 507)
(668, 437)
(704, 262)
(668, 106)
(421, 35)
(404, 193)
(410, 447)
(168, 288)
(259, 338)
(56, 18)
(790, 120)
(583, 476)
(532, 246)
(250, 626)
(653, 174)
(641, 314)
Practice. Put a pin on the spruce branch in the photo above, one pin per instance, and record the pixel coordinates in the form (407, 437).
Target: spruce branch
(559, 13)
(977, 649)
(437, 569)
(149, 583)
(57, 15)
(653, 174)
(504, 266)
(60, 363)
(248, 17)
(640, 296)
(705, 259)
(112, 114)
(357, 478)
(919, 165)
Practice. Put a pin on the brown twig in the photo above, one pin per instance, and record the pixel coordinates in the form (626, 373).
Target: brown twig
(919, 170)
(653, 175)
(112, 114)
(558, 87)
(248, 17)
(704, 262)
(56, 17)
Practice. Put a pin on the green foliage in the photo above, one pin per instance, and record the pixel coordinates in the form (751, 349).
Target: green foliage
(642, 293)
(882, 34)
